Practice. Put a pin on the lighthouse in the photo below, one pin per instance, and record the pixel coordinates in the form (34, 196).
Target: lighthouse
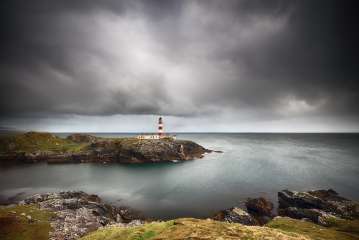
(160, 133)
(160, 127)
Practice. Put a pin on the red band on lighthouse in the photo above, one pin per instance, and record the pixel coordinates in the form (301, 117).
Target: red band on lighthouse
(160, 127)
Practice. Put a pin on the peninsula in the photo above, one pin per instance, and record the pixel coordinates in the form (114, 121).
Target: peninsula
(33, 147)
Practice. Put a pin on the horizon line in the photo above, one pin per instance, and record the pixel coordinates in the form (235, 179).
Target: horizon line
(189, 132)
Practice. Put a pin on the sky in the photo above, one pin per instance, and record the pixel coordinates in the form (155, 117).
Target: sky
(204, 65)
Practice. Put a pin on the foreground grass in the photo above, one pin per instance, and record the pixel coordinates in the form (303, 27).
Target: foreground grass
(14, 224)
(343, 230)
(189, 228)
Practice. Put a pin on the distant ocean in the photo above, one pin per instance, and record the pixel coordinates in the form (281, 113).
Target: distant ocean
(251, 165)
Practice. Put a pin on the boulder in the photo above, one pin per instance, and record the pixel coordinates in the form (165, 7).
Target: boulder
(319, 206)
(260, 209)
(315, 215)
(235, 215)
(260, 206)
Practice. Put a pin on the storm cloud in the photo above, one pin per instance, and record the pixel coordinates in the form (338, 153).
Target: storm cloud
(248, 59)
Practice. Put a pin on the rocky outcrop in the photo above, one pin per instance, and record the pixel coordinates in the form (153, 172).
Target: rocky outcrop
(259, 212)
(77, 213)
(320, 206)
(139, 151)
(235, 215)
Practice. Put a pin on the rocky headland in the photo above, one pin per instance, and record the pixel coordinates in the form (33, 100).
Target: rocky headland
(77, 215)
(33, 147)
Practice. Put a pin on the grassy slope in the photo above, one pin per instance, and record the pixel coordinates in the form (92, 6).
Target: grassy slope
(14, 226)
(343, 230)
(189, 228)
(36, 141)
(279, 228)
(31, 142)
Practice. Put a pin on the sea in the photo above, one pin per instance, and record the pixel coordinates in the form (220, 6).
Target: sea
(251, 165)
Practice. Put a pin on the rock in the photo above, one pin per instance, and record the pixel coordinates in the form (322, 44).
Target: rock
(71, 203)
(326, 200)
(235, 215)
(77, 213)
(320, 206)
(260, 206)
(127, 215)
(29, 218)
(119, 218)
(260, 209)
(135, 223)
(314, 215)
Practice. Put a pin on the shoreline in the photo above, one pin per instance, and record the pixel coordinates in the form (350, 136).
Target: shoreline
(76, 214)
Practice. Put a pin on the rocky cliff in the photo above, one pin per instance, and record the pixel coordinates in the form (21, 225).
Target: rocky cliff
(80, 148)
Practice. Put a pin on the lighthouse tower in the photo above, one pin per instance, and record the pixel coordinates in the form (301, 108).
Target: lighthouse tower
(160, 127)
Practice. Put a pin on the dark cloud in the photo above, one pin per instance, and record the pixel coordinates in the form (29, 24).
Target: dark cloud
(276, 58)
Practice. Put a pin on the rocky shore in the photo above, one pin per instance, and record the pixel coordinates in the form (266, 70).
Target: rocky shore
(320, 214)
(35, 147)
(73, 214)
(323, 207)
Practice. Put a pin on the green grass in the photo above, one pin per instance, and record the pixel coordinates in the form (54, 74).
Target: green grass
(189, 228)
(343, 230)
(15, 226)
(32, 142)
(147, 231)
(37, 141)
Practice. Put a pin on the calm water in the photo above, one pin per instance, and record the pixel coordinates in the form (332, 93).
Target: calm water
(252, 165)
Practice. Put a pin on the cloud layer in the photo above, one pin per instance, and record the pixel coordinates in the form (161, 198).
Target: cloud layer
(262, 59)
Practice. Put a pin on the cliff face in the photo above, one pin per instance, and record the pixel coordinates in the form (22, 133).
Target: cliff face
(79, 148)
(138, 151)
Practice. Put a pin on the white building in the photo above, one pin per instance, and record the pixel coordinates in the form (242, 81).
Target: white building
(154, 136)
